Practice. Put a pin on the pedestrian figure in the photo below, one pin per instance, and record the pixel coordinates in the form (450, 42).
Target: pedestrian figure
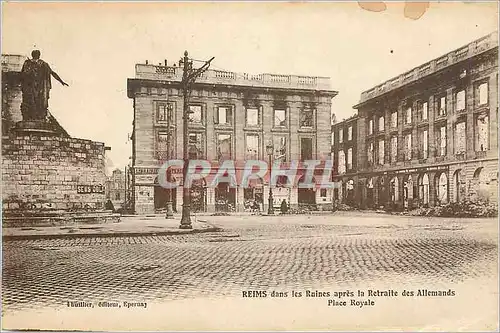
(284, 207)
(255, 206)
(109, 206)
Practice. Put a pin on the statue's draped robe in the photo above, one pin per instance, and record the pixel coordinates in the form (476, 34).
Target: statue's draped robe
(36, 85)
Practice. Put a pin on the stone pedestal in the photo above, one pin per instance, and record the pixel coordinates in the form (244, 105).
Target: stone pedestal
(49, 178)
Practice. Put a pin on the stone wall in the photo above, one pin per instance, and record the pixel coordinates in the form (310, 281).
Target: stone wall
(49, 173)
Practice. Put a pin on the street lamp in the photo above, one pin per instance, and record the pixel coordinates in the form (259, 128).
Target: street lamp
(270, 151)
(186, 193)
(188, 78)
(169, 213)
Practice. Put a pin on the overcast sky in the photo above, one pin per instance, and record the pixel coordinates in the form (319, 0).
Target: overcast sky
(94, 48)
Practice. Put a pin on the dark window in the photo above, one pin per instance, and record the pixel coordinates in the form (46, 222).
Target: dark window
(164, 112)
(307, 118)
(306, 149)
(162, 145)
(441, 103)
(252, 147)
(282, 181)
(224, 145)
(195, 146)
(280, 148)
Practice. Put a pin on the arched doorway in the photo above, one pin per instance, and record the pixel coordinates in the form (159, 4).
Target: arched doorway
(381, 191)
(369, 193)
(394, 187)
(349, 192)
(423, 189)
(198, 195)
(161, 196)
(442, 188)
(253, 195)
(306, 196)
(479, 186)
(459, 190)
(407, 191)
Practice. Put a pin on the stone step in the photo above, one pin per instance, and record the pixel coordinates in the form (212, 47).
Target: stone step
(64, 218)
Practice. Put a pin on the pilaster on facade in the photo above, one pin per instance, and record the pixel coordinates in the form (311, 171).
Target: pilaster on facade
(267, 124)
(493, 106)
(387, 136)
(470, 151)
(400, 123)
(416, 117)
(361, 135)
(450, 115)
(431, 133)
(210, 128)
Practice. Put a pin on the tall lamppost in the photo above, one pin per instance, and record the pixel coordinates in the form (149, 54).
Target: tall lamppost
(189, 76)
(186, 194)
(169, 213)
(270, 151)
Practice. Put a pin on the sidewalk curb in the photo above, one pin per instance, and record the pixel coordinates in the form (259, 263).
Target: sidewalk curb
(112, 234)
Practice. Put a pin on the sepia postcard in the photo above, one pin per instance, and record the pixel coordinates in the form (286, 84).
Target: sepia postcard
(242, 166)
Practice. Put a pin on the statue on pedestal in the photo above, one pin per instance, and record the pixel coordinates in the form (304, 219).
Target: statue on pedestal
(35, 85)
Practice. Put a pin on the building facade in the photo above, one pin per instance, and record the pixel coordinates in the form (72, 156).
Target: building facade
(116, 189)
(232, 116)
(344, 155)
(429, 136)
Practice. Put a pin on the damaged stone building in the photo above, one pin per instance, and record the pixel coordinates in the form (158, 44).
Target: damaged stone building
(427, 136)
(232, 116)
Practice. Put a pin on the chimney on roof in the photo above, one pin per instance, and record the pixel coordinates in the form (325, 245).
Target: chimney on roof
(165, 62)
(146, 62)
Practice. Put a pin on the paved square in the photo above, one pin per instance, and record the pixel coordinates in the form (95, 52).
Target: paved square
(345, 250)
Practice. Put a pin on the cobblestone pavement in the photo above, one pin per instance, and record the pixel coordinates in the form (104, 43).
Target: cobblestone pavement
(254, 254)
